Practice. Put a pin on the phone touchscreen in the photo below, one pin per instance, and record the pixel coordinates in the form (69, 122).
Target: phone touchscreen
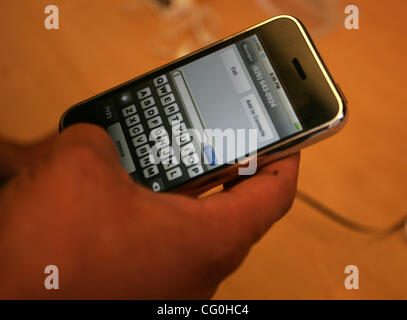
(199, 116)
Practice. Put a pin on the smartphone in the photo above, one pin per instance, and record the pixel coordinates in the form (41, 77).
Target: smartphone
(265, 91)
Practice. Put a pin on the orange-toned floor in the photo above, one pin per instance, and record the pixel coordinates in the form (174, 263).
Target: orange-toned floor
(361, 172)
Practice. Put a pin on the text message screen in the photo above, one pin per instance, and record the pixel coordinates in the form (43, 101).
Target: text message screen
(237, 88)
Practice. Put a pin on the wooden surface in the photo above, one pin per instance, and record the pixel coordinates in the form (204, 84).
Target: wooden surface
(361, 172)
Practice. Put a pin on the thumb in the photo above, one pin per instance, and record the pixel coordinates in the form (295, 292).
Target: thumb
(88, 136)
(247, 210)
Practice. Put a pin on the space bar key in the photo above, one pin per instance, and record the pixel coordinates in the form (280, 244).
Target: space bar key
(116, 133)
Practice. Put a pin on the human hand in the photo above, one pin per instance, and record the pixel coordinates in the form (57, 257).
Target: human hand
(77, 208)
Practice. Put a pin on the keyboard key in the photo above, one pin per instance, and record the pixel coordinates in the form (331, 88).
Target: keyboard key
(163, 142)
(160, 80)
(165, 89)
(157, 185)
(170, 162)
(146, 161)
(125, 98)
(132, 120)
(154, 122)
(139, 140)
(143, 150)
(165, 153)
(191, 159)
(174, 173)
(179, 129)
(130, 110)
(171, 109)
(136, 130)
(108, 113)
(116, 133)
(210, 155)
(151, 112)
(187, 149)
(149, 102)
(150, 171)
(195, 170)
(144, 93)
(174, 119)
(167, 99)
(157, 133)
(183, 138)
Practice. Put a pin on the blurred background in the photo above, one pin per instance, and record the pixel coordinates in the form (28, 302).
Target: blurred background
(360, 172)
